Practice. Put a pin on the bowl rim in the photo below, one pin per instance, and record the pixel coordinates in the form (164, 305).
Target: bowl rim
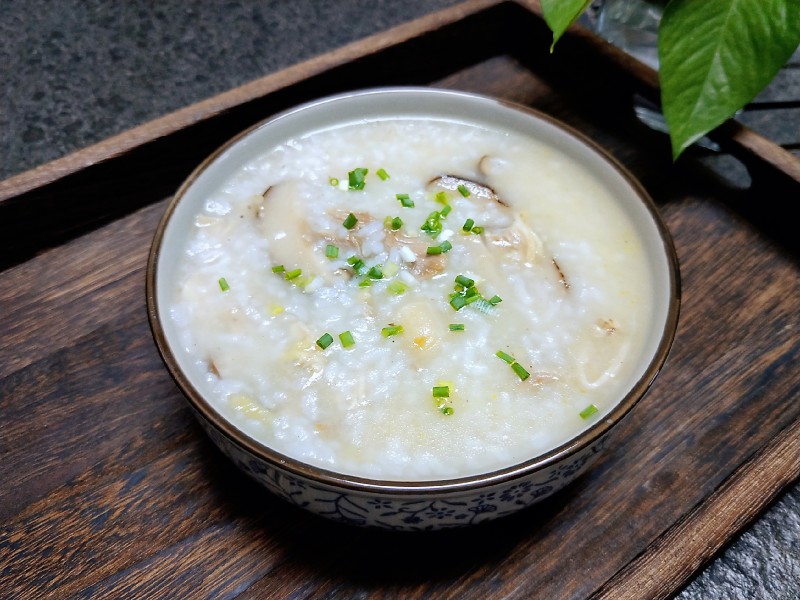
(436, 487)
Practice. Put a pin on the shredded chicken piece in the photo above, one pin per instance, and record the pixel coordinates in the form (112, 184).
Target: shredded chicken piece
(350, 238)
(212, 368)
(519, 239)
(542, 378)
(606, 326)
(605, 334)
(305, 355)
(425, 265)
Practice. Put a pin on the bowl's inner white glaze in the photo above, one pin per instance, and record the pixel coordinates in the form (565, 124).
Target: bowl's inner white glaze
(571, 246)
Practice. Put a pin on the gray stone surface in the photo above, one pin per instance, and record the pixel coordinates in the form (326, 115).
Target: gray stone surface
(762, 564)
(73, 72)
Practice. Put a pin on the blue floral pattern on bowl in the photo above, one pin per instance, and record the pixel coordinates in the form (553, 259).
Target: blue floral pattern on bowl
(408, 512)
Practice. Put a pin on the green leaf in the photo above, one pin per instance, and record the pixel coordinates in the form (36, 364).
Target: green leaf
(560, 14)
(715, 56)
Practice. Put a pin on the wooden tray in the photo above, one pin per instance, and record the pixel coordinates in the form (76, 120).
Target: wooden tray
(112, 490)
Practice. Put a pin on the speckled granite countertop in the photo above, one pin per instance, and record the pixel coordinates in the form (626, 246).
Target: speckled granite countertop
(77, 71)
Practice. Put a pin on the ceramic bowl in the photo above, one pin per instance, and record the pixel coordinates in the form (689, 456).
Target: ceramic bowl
(410, 505)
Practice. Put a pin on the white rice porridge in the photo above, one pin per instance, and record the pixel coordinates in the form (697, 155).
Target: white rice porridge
(519, 331)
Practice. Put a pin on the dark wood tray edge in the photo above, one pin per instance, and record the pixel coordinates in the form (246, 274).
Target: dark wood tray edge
(735, 137)
(123, 173)
(676, 555)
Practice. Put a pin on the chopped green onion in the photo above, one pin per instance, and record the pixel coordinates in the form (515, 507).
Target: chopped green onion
(445, 210)
(355, 179)
(397, 223)
(397, 287)
(347, 339)
(468, 225)
(325, 341)
(278, 269)
(506, 357)
(306, 280)
(441, 391)
(441, 394)
(465, 281)
(405, 200)
(484, 306)
(456, 326)
(357, 264)
(477, 230)
(471, 298)
(390, 269)
(466, 292)
(520, 370)
(441, 197)
(375, 272)
(458, 301)
(463, 190)
(588, 411)
(382, 174)
(445, 246)
(515, 366)
(293, 274)
(391, 330)
(223, 284)
(333, 181)
(350, 221)
(364, 283)
(331, 251)
(433, 224)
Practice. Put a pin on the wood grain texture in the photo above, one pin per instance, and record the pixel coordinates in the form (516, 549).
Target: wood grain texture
(664, 567)
(114, 491)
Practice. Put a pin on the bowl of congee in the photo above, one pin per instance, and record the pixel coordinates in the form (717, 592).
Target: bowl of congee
(412, 308)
